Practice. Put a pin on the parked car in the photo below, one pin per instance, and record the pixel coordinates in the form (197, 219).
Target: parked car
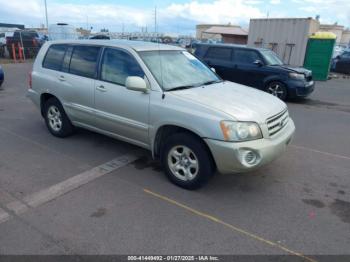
(257, 67)
(341, 64)
(2, 76)
(162, 98)
(2, 44)
(62, 31)
(29, 40)
(101, 37)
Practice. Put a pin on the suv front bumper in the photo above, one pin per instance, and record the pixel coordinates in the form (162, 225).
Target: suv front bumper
(229, 156)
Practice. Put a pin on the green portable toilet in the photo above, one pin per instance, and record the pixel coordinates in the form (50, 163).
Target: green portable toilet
(319, 54)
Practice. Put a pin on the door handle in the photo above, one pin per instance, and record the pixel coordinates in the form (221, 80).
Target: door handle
(61, 78)
(101, 88)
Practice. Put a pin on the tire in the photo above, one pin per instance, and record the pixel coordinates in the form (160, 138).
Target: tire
(184, 153)
(56, 119)
(277, 89)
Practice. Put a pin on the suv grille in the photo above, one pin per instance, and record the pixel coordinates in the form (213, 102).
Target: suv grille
(277, 122)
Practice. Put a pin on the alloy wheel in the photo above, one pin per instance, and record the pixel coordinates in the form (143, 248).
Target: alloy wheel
(183, 163)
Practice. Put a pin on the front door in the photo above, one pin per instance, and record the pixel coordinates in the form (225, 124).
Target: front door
(248, 73)
(121, 111)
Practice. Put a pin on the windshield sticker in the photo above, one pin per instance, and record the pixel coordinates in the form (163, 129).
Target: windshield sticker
(188, 55)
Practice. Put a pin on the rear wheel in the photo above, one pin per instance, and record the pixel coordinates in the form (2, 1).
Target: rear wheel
(56, 119)
(278, 89)
(187, 161)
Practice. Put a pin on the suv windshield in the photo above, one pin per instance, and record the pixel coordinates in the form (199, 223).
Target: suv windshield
(176, 70)
(271, 58)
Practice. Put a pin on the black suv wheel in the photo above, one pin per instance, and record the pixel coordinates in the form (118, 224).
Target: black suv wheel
(278, 89)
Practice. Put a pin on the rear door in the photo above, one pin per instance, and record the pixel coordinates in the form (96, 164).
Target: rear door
(247, 72)
(220, 58)
(119, 110)
(77, 82)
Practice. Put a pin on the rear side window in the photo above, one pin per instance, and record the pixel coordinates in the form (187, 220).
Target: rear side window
(118, 65)
(54, 57)
(245, 56)
(221, 53)
(84, 60)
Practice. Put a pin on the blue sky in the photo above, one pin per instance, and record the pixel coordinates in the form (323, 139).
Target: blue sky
(177, 16)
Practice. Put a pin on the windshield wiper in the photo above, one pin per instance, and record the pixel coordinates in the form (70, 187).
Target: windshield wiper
(212, 82)
(182, 87)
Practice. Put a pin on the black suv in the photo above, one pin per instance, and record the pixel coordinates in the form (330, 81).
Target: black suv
(257, 67)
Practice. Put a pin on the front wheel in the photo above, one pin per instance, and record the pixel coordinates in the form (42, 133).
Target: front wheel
(187, 161)
(278, 89)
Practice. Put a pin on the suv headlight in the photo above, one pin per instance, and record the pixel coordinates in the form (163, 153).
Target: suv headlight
(240, 131)
(297, 76)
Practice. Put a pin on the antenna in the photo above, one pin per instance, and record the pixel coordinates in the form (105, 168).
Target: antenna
(155, 19)
(47, 19)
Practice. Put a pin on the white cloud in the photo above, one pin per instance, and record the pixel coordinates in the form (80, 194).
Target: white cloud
(31, 13)
(174, 17)
(219, 11)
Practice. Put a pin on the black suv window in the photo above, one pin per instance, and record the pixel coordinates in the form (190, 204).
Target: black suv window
(118, 65)
(84, 60)
(54, 57)
(245, 56)
(221, 53)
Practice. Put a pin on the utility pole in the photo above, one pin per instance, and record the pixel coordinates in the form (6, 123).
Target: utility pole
(47, 19)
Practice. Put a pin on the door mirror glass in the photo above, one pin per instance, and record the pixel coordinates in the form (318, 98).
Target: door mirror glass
(136, 83)
(258, 63)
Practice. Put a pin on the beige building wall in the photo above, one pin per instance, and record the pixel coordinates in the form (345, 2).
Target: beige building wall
(345, 39)
(203, 27)
(335, 29)
(287, 37)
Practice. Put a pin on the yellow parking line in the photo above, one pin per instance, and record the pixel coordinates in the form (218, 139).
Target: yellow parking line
(320, 152)
(232, 227)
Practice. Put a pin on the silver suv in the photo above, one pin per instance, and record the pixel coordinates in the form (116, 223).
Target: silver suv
(163, 99)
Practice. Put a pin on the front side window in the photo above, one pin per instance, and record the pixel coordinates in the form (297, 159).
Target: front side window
(246, 56)
(54, 57)
(118, 65)
(271, 58)
(84, 60)
(176, 69)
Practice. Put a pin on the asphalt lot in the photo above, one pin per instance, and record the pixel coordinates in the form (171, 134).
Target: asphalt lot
(299, 204)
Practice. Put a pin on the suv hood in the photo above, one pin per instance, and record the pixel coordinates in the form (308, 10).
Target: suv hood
(240, 102)
(299, 70)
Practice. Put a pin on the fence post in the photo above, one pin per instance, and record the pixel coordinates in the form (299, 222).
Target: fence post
(20, 52)
(20, 35)
(14, 52)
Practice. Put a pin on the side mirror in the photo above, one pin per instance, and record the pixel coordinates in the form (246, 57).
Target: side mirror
(136, 83)
(213, 69)
(258, 63)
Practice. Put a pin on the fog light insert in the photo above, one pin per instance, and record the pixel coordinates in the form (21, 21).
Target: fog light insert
(249, 157)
